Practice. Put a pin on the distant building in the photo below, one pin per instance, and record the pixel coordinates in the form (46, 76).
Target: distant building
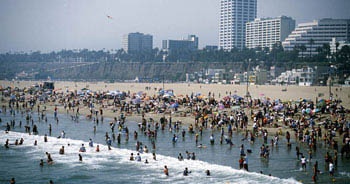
(341, 44)
(137, 42)
(261, 76)
(347, 81)
(314, 34)
(265, 32)
(211, 47)
(215, 75)
(234, 14)
(303, 77)
(191, 43)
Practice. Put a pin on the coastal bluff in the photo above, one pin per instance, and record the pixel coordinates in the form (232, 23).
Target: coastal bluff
(120, 71)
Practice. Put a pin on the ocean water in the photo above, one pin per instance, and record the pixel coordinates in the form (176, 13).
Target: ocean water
(113, 166)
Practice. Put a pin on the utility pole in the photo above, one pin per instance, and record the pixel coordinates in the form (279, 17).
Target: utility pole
(330, 86)
(247, 92)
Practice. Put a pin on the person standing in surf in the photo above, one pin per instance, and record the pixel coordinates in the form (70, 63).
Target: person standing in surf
(166, 170)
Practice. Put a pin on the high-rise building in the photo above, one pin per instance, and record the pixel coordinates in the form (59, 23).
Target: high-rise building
(234, 14)
(265, 32)
(191, 43)
(315, 34)
(137, 42)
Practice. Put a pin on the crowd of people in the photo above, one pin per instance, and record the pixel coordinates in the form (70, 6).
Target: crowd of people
(254, 118)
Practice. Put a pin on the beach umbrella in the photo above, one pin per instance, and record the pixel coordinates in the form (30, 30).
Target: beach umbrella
(161, 92)
(136, 100)
(174, 105)
(278, 107)
(167, 95)
(226, 98)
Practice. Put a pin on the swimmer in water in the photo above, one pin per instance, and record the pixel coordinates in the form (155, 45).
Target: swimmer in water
(186, 172)
(49, 159)
(91, 144)
(63, 134)
(82, 148)
(193, 156)
(207, 172)
(132, 157)
(7, 143)
(138, 157)
(41, 162)
(166, 171)
(61, 152)
(80, 158)
(97, 148)
(180, 157)
(21, 141)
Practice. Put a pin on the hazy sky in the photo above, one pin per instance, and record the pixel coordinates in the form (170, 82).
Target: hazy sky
(51, 25)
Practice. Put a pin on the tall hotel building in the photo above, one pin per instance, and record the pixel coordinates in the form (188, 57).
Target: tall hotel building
(234, 14)
(268, 31)
(314, 34)
(137, 42)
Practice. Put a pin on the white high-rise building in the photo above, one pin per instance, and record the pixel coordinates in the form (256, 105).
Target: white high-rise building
(315, 34)
(137, 42)
(234, 14)
(265, 32)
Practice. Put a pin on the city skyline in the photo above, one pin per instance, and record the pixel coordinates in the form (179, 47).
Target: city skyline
(56, 25)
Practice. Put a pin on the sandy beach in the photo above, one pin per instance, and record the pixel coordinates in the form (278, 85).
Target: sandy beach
(220, 90)
(293, 93)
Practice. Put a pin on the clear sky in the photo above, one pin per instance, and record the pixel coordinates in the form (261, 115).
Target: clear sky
(52, 25)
